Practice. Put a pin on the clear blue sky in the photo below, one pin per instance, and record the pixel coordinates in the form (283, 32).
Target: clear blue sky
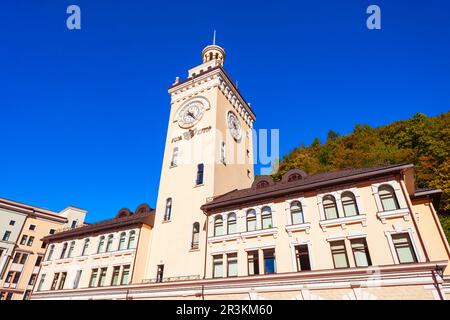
(84, 113)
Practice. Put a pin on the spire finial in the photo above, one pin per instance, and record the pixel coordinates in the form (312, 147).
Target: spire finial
(214, 38)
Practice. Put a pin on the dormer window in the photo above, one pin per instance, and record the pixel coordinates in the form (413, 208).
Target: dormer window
(294, 177)
(262, 184)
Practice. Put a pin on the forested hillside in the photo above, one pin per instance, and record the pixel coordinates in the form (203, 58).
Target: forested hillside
(421, 140)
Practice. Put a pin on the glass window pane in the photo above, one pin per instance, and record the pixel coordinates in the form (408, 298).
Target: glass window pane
(232, 265)
(403, 246)
(331, 213)
(388, 204)
(339, 254)
(217, 266)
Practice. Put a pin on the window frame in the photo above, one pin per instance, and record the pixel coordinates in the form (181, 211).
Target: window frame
(366, 251)
(334, 251)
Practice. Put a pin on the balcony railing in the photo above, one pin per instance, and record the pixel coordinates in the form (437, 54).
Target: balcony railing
(171, 279)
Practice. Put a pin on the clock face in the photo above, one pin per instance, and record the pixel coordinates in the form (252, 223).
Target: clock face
(234, 125)
(190, 114)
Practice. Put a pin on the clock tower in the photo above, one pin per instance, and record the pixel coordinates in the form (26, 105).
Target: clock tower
(208, 152)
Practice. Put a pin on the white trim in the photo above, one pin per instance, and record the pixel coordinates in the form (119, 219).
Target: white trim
(343, 221)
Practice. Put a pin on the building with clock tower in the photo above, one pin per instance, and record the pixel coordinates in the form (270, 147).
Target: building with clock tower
(220, 233)
(208, 152)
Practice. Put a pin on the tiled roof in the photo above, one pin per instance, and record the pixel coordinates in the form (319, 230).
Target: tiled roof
(304, 184)
(136, 218)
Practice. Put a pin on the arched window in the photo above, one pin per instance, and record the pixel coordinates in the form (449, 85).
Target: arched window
(50, 252)
(168, 212)
(296, 212)
(174, 161)
(266, 218)
(329, 207)
(132, 240)
(101, 243)
(63, 251)
(388, 198)
(262, 184)
(218, 226)
(200, 169)
(122, 240)
(349, 204)
(85, 247)
(195, 235)
(231, 223)
(251, 220)
(109, 243)
(71, 248)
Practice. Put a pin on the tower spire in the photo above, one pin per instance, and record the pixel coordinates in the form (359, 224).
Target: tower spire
(214, 38)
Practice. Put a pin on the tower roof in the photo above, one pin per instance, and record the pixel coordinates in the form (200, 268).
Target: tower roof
(213, 52)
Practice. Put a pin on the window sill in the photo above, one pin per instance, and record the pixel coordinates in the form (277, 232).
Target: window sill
(399, 213)
(298, 227)
(344, 221)
(246, 234)
(199, 185)
(225, 237)
(261, 232)
(166, 221)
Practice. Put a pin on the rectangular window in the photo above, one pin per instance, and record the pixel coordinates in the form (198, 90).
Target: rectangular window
(6, 235)
(9, 277)
(23, 259)
(115, 276)
(200, 169)
(16, 258)
(16, 277)
(12, 222)
(93, 280)
(38, 261)
(55, 281)
(44, 245)
(32, 279)
(160, 273)
(52, 231)
(74, 224)
(404, 248)
(62, 281)
(32, 227)
(232, 265)
(339, 254)
(41, 283)
(30, 241)
(125, 274)
(302, 257)
(102, 279)
(26, 295)
(24, 239)
(361, 253)
(218, 266)
(269, 261)
(253, 262)
(76, 282)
